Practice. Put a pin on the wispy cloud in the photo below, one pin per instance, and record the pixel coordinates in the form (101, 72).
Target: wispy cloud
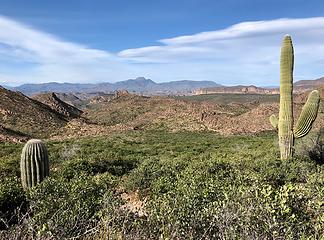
(245, 53)
(242, 38)
(33, 45)
(30, 55)
(250, 30)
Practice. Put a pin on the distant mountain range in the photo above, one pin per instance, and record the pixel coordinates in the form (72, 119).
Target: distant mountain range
(309, 83)
(299, 86)
(145, 86)
(57, 114)
(139, 85)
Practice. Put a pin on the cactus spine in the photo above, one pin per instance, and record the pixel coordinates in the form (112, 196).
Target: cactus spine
(286, 133)
(34, 163)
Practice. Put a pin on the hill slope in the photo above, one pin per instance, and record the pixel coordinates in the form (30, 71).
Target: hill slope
(28, 116)
(309, 83)
(55, 103)
(8, 135)
(132, 112)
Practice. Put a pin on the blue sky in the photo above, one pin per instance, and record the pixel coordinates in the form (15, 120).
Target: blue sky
(230, 42)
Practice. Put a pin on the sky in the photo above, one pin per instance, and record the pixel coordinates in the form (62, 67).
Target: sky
(229, 42)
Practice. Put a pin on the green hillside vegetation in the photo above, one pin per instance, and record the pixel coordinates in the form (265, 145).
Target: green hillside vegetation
(160, 185)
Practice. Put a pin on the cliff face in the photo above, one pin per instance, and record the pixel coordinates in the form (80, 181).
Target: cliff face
(299, 87)
(240, 89)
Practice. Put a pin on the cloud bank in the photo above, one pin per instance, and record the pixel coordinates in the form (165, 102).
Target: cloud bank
(244, 53)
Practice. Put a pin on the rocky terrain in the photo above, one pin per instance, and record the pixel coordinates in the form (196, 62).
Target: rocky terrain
(309, 84)
(46, 115)
(8, 135)
(137, 113)
(19, 113)
(56, 104)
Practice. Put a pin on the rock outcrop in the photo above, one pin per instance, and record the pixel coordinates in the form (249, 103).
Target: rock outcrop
(55, 103)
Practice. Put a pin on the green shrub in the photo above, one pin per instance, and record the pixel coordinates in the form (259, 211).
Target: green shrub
(195, 186)
(92, 167)
(226, 204)
(9, 160)
(12, 201)
(66, 208)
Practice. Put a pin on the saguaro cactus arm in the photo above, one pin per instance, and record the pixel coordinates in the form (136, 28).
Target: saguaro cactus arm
(308, 115)
(274, 121)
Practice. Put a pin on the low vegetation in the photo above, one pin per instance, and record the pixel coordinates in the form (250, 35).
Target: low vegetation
(162, 185)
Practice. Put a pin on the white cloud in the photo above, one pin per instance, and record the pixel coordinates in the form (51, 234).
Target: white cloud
(245, 53)
(38, 46)
(242, 38)
(251, 29)
(29, 55)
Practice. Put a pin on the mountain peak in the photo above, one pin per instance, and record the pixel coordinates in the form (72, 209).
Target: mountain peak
(143, 79)
(140, 79)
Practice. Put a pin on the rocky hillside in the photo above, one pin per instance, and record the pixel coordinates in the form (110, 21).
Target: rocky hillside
(71, 99)
(302, 97)
(129, 112)
(309, 84)
(8, 135)
(21, 114)
(56, 104)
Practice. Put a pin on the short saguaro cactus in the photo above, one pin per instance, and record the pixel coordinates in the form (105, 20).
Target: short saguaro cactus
(286, 132)
(34, 164)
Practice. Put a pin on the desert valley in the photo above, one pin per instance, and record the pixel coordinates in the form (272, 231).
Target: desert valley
(161, 120)
(141, 149)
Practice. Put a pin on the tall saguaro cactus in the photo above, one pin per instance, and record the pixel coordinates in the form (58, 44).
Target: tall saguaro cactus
(286, 132)
(34, 163)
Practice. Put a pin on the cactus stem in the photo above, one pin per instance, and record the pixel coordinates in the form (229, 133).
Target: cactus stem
(34, 163)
